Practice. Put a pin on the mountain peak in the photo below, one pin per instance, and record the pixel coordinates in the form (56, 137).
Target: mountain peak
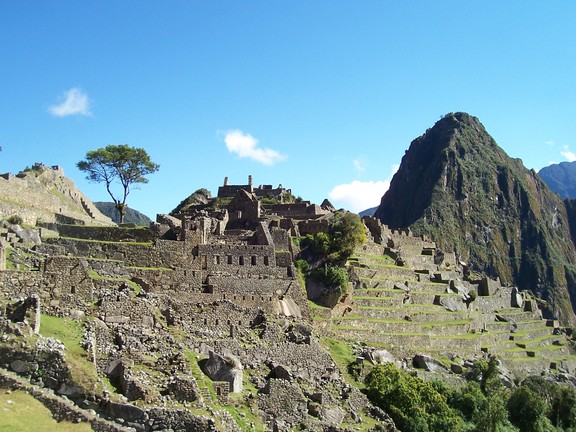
(458, 187)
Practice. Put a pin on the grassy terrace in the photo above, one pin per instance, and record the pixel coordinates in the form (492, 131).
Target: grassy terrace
(425, 324)
(21, 412)
(393, 291)
(531, 324)
(70, 333)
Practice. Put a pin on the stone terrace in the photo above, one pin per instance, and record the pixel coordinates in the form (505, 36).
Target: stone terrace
(423, 307)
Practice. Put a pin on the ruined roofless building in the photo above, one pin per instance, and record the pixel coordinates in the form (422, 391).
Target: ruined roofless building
(262, 191)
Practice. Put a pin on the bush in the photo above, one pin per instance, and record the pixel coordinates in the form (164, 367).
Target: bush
(332, 276)
(15, 220)
(414, 404)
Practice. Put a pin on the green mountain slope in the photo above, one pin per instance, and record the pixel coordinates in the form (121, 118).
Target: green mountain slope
(457, 186)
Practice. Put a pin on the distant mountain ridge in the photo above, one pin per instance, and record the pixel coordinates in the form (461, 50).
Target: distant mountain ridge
(561, 178)
(368, 212)
(458, 187)
(131, 216)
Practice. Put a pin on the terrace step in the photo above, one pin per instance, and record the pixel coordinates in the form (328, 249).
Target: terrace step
(437, 313)
(401, 326)
(518, 325)
(386, 272)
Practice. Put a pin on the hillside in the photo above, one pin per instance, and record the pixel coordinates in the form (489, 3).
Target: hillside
(45, 194)
(561, 178)
(457, 186)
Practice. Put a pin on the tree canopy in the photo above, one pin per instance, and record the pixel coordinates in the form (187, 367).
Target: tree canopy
(118, 163)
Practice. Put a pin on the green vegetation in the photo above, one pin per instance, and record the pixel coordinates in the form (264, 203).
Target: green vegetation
(483, 404)
(21, 412)
(324, 255)
(15, 220)
(414, 405)
(343, 356)
(70, 333)
(237, 407)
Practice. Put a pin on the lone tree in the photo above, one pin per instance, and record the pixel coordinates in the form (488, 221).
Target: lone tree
(128, 165)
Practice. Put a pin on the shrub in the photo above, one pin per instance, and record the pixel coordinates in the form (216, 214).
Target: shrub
(332, 276)
(15, 220)
(414, 404)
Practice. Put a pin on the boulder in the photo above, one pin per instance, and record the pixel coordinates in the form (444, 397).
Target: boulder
(516, 300)
(333, 415)
(27, 236)
(382, 357)
(70, 390)
(422, 361)
(281, 372)
(457, 368)
(289, 308)
(450, 303)
(225, 368)
(21, 366)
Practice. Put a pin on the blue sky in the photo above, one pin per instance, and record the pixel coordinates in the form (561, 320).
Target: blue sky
(323, 97)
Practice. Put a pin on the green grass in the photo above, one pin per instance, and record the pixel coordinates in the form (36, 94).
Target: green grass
(313, 305)
(26, 414)
(70, 332)
(342, 355)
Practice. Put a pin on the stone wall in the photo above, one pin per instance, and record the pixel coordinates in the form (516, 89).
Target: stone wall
(164, 253)
(104, 233)
(253, 285)
(231, 258)
(61, 409)
(313, 227)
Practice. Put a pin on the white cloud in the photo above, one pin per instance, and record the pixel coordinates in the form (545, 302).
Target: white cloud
(549, 142)
(570, 156)
(246, 146)
(358, 195)
(72, 102)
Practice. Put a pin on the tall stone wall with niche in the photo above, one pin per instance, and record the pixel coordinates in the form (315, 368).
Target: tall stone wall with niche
(233, 258)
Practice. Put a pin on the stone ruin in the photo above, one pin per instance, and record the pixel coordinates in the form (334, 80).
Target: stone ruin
(206, 306)
(199, 306)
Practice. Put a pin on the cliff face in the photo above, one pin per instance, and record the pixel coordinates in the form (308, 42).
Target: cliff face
(457, 186)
